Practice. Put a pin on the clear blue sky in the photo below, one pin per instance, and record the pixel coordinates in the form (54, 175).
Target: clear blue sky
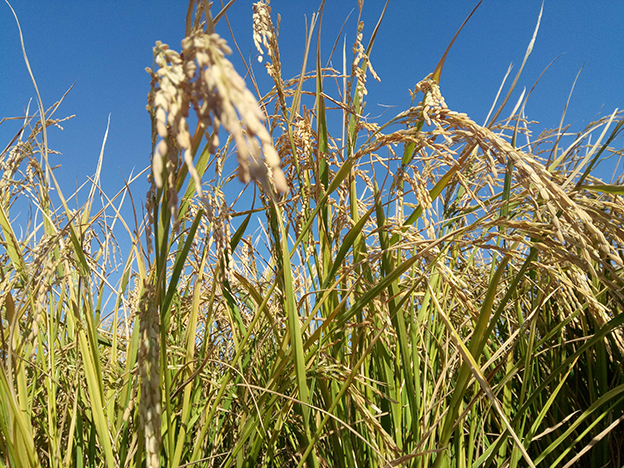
(105, 46)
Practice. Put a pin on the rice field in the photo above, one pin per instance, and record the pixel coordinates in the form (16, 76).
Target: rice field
(426, 291)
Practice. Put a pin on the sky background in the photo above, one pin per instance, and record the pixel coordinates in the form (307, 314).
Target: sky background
(104, 47)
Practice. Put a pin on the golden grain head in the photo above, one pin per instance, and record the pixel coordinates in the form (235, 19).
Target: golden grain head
(202, 77)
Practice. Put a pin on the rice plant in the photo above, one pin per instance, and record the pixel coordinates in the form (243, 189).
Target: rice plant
(425, 291)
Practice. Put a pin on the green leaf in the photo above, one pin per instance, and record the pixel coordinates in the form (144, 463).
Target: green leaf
(604, 188)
